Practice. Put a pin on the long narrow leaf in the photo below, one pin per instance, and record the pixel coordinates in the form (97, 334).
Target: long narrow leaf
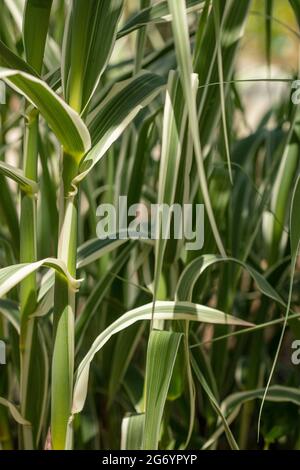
(161, 355)
(162, 311)
(88, 42)
(111, 118)
(35, 28)
(64, 121)
(182, 46)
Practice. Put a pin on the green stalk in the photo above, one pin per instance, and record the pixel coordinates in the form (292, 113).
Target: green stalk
(28, 289)
(64, 309)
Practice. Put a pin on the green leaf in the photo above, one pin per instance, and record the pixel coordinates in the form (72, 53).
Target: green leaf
(215, 404)
(26, 184)
(9, 59)
(115, 113)
(87, 253)
(193, 271)
(233, 18)
(281, 197)
(35, 29)
(94, 249)
(161, 356)
(88, 42)
(277, 393)
(12, 275)
(231, 405)
(174, 125)
(64, 121)
(141, 159)
(218, 33)
(132, 432)
(163, 311)
(184, 58)
(155, 14)
(141, 40)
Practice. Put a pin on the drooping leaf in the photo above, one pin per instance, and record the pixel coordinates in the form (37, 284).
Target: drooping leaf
(64, 121)
(26, 184)
(163, 311)
(194, 270)
(87, 253)
(14, 412)
(12, 275)
(232, 404)
(115, 113)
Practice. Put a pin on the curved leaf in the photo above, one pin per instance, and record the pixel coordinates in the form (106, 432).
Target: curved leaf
(14, 412)
(12, 275)
(194, 270)
(87, 253)
(64, 121)
(163, 311)
(157, 13)
(231, 405)
(94, 249)
(113, 115)
(26, 184)
(277, 393)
